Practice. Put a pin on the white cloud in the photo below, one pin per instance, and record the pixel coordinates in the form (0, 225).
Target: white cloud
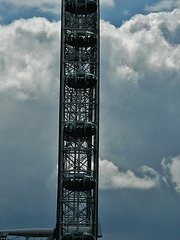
(112, 178)
(171, 167)
(163, 5)
(31, 3)
(108, 3)
(140, 69)
(29, 58)
(29, 85)
(140, 45)
(52, 6)
(126, 13)
(140, 74)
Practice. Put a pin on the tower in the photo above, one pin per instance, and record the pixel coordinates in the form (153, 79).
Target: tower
(77, 201)
(77, 196)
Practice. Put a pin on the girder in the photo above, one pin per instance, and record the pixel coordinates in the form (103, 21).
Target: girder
(77, 204)
(77, 196)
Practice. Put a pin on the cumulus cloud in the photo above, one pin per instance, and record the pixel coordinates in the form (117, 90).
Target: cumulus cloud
(108, 3)
(29, 58)
(163, 5)
(140, 72)
(139, 59)
(30, 3)
(29, 86)
(112, 178)
(171, 167)
(140, 42)
(52, 6)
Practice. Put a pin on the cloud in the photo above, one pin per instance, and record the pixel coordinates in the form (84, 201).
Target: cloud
(28, 67)
(107, 3)
(140, 41)
(29, 86)
(139, 101)
(171, 167)
(163, 5)
(52, 6)
(126, 13)
(138, 59)
(112, 178)
(140, 72)
(31, 3)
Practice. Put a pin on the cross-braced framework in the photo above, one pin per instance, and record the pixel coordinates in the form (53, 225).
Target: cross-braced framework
(77, 205)
(77, 200)
(28, 234)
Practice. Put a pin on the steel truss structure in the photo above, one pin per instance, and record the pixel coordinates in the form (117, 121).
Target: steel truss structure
(77, 197)
(77, 205)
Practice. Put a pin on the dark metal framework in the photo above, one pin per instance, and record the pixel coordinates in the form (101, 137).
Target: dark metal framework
(77, 198)
(77, 203)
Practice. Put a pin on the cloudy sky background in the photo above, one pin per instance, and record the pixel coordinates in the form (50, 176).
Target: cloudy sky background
(140, 116)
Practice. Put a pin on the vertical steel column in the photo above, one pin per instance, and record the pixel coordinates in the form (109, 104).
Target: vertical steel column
(77, 200)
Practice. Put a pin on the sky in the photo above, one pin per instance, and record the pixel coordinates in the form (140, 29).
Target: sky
(139, 191)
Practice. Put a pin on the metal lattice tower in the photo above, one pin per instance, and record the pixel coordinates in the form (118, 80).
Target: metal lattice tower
(77, 203)
(77, 198)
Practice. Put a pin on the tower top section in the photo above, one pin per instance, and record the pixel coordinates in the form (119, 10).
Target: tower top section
(77, 204)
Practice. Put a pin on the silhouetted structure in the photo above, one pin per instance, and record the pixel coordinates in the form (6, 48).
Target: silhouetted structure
(77, 201)
(77, 205)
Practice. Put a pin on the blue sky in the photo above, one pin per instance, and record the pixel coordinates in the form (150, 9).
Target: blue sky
(114, 11)
(123, 10)
(140, 117)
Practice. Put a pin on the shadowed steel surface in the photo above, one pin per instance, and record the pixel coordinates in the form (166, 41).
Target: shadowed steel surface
(77, 197)
(77, 204)
(31, 232)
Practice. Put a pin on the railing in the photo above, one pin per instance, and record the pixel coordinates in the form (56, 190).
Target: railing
(32, 233)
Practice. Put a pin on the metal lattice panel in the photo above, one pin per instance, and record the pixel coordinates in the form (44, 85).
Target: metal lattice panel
(77, 210)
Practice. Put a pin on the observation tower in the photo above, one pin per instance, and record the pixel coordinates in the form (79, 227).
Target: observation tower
(78, 158)
(77, 203)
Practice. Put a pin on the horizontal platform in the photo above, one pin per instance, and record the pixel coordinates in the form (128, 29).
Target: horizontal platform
(78, 129)
(78, 182)
(81, 6)
(80, 229)
(81, 38)
(31, 232)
